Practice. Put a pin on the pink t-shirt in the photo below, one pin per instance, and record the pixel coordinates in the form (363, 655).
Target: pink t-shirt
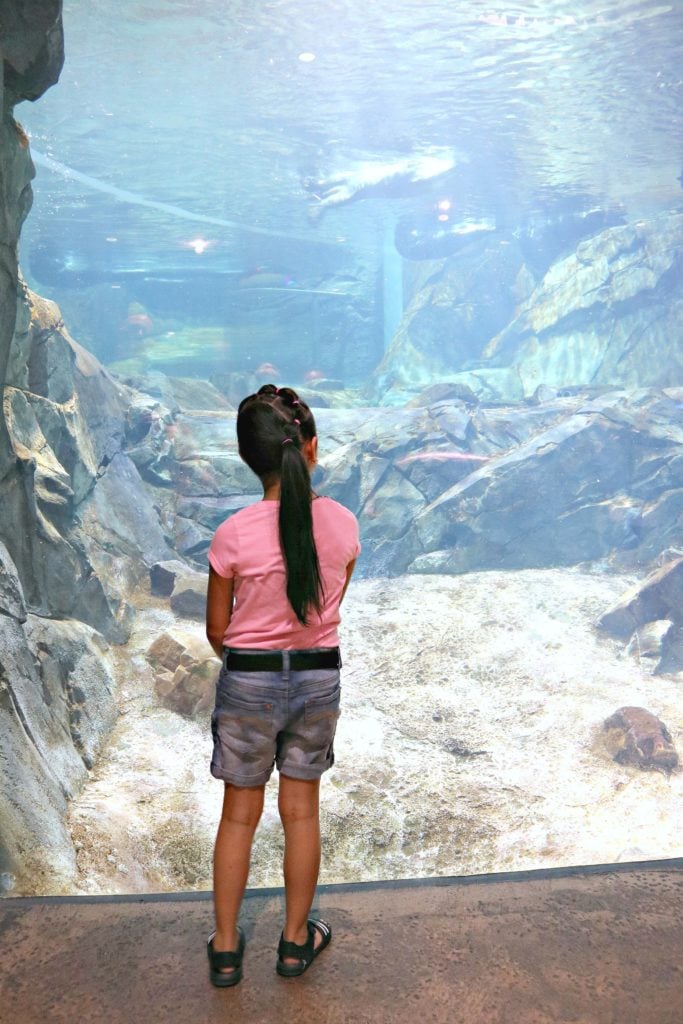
(247, 547)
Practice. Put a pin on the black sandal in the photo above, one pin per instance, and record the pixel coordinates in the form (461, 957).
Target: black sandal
(219, 960)
(306, 953)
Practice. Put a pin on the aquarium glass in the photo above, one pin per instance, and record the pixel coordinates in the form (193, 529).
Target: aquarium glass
(457, 230)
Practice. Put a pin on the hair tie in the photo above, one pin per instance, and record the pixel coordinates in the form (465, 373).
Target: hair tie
(298, 422)
(288, 440)
(296, 402)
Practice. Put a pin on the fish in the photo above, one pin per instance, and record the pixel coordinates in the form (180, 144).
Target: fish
(137, 325)
(261, 277)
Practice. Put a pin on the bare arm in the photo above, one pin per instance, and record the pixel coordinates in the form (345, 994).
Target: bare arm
(218, 609)
(349, 572)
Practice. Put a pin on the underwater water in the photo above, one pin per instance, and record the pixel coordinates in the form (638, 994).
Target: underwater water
(457, 229)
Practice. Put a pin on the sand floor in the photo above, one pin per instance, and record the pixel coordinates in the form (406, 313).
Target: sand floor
(469, 742)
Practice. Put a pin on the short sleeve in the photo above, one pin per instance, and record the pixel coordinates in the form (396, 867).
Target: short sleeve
(223, 550)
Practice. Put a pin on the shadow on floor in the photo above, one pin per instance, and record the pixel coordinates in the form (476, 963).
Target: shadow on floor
(584, 946)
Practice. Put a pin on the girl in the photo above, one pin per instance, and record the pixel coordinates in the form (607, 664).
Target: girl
(278, 572)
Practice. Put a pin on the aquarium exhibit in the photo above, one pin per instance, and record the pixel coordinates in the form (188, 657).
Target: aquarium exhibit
(457, 231)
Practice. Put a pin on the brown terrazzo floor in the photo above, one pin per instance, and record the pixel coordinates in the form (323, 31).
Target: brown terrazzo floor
(600, 946)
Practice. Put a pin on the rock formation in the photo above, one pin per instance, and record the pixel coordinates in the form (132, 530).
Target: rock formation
(602, 315)
(78, 528)
(650, 617)
(184, 673)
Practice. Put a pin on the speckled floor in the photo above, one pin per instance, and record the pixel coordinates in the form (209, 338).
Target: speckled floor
(600, 946)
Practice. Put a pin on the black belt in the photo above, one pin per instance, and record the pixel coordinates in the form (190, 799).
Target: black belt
(273, 661)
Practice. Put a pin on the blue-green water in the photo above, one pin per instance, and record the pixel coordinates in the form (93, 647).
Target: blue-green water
(231, 116)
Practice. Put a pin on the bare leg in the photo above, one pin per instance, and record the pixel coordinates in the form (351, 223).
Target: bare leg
(242, 808)
(298, 804)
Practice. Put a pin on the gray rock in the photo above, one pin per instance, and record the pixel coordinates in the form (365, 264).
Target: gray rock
(671, 660)
(56, 706)
(523, 510)
(176, 393)
(77, 682)
(163, 576)
(149, 439)
(11, 592)
(615, 304)
(65, 425)
(659, 596)
(455, 308)
(191, 393)
(208, 511)
(118, 516)
(648, 642)
(32, 41)
(191, 540)
(189, 596)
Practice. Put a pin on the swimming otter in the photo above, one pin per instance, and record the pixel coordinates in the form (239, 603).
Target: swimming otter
(387, 179)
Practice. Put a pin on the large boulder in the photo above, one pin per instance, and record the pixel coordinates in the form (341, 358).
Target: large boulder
(659, 596)
(524, 507)
(605, 313)
(601, 315)
(185, 672)
(650, 616)
(189, 596)
(457, 306)
(64, 417)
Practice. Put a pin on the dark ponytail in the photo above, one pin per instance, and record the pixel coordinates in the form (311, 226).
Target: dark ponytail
(272, 426)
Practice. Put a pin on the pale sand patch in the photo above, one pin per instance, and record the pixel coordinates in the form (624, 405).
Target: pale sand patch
(467, 744)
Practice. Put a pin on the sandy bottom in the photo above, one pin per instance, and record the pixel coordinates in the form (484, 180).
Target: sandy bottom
(469, 742)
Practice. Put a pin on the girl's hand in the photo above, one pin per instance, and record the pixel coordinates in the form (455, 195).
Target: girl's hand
(349, 571)
(218, 609)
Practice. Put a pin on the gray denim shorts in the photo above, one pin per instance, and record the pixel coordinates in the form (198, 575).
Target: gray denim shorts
(282, 718)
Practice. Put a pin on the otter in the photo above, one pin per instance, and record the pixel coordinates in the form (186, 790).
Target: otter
(387, 179)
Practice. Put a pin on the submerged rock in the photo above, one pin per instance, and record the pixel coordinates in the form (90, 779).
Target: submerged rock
(602, 313)
(635, 736)
(605, 313)
(649, 641)
(659, 596)
(77, 682)
(185, 673)
(189, 595)
(163, 576)
(190, 690)
(524, 508)
(672, 652)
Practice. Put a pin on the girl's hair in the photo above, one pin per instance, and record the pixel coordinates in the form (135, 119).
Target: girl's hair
(272, 426)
